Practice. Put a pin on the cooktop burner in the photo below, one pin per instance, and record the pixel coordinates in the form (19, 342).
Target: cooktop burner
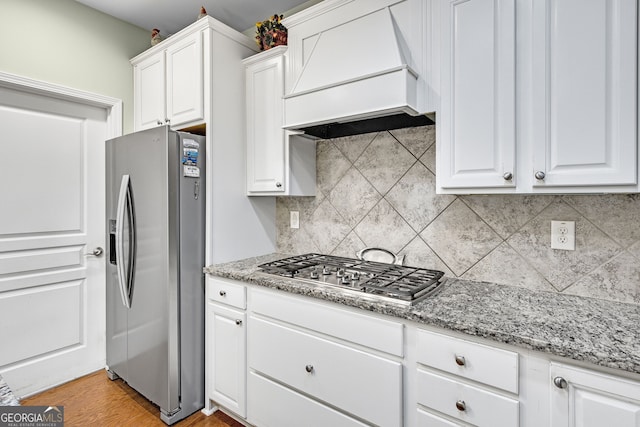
(391, 282)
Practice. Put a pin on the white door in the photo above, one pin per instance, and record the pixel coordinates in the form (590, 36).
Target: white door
(51, 216)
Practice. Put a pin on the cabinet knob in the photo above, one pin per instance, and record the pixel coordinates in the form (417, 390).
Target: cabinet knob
(461, 405)
(159, 122)
(278, 184)
(167, 121)
(560, 382)
(238, 322)
(309, 368)
(223, 293)
(460, 360)
(540, 175)
(508, 176)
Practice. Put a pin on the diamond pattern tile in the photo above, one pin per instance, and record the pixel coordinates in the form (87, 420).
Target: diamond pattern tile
(503, 265)
(415, 198)
(563, 268)
(460, 237)
(507, 214)
(353, 197)
(503, 239)
(353, 146)
(617, 280)
(417, 140)
(623, 227)
(384, 228)
(327, 227)
(331, 165)
(384, 162)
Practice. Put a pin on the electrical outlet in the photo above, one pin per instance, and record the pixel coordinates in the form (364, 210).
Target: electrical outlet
(294, 219)
(563, 235)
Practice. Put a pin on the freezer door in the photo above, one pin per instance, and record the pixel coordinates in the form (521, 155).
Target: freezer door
(151, 321)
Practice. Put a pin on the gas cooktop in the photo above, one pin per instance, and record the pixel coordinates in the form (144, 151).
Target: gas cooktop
(389, 282)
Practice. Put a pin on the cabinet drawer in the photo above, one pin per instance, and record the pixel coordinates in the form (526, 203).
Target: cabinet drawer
(379, 334)
(226, 292)
(357, 382)
(426, 419)
(482, 408)
(488, 365)
(272, 405)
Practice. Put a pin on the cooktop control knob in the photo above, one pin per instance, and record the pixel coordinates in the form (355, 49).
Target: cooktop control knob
(355, 276)
(314, 273)
(345, 280)
(340, 272)
(326, 271)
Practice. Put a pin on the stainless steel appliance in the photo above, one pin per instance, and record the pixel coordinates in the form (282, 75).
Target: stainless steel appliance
(155, 285)
(391, 283)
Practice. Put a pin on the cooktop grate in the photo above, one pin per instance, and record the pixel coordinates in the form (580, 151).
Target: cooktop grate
(397, 282)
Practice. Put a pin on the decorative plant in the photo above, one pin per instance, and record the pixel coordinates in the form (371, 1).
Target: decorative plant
(271, 33)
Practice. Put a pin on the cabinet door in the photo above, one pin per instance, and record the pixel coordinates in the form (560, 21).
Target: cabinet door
(149, 92)
(185, 90)
(584, 92)
(226, 359)
(265, 136)
(592, 399)
(476, 124)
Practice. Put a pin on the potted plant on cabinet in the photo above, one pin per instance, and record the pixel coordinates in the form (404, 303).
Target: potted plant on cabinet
(271, 33)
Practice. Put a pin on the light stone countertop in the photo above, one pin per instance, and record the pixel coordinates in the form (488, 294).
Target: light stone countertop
(596, 331)
(7, 397)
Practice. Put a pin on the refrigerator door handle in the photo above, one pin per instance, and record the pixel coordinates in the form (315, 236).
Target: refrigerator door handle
(125, 267)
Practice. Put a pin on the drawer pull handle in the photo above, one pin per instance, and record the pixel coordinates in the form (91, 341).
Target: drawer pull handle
(560, 382)
(223, 293)
(309, 368)
(460, 360)
(238, 322)
(461, 405)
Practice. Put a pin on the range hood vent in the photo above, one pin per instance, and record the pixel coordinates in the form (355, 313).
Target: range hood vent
(362, 69)
(337, 130)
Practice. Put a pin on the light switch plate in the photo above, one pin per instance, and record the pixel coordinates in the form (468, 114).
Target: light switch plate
(294, 219)
(563, 235)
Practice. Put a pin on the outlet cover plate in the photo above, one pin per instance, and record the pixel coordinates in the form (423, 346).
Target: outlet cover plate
(563, 235)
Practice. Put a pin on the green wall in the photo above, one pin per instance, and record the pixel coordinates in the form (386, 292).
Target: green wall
(67, 43)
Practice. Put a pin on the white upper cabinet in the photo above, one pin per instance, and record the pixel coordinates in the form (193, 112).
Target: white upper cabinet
(168, 82)
(538, 98)
(584, 94)
(185, 92)
(149, 92)
(476, 123)
(278, 163)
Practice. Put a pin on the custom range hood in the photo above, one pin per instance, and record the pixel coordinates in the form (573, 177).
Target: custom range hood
(359, 66)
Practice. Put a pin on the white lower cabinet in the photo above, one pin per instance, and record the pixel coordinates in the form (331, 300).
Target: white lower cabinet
(280, 360)
(338, 378)
(276, 405)
(226, 342)
(583, 398)
(459, 379)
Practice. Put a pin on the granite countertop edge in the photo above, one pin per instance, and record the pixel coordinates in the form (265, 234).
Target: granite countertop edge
(599, 332)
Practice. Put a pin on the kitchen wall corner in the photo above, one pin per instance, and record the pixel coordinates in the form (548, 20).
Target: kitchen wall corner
(70, 44)
(378, 190)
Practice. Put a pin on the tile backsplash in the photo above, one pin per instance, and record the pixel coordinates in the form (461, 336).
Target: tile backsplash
(378, 190)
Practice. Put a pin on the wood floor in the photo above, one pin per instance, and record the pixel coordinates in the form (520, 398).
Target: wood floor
(94, 400)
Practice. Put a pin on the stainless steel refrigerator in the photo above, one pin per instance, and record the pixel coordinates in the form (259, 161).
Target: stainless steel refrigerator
(155, 284)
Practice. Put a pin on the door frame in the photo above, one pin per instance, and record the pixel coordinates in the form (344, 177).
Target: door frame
(113, 106)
